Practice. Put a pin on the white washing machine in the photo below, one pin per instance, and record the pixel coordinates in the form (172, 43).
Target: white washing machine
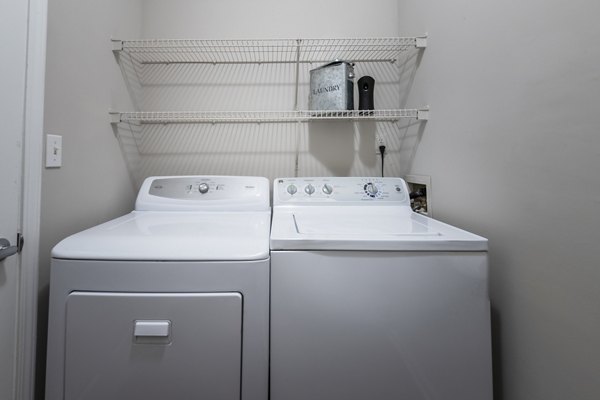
(372, 301)
(170, 301)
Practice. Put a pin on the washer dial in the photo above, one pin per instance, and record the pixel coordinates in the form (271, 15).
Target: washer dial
(292, 189)
(371, 189)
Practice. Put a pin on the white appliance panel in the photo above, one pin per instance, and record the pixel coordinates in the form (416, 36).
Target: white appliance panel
(250, 278)
(173, 235)
(380, 325)
(366, 228)
(203, 193)
(149, 305)
(370, 300)
(358, 214)
(340, 191)
(109, 356)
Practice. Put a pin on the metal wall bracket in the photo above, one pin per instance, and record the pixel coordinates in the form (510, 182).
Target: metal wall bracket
(115, 117)
(117, 45)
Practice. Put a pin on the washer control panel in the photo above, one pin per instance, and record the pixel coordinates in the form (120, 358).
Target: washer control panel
(340, 190)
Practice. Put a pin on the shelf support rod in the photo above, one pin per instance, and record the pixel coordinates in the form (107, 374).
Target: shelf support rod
(298, 42)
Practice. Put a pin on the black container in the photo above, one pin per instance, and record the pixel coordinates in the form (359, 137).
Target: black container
(366, 86)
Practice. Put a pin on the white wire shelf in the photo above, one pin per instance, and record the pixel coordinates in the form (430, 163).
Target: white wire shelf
(181, 51)
(187, 117)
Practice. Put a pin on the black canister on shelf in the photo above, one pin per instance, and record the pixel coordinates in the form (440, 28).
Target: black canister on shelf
(366, 85)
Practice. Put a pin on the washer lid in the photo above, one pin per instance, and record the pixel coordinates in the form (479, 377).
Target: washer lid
(366, 228)
(173, 236)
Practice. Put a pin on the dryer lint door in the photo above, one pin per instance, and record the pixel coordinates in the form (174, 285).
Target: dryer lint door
(153, 346)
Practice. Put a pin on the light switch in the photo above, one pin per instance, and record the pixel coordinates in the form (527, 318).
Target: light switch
(53, 151)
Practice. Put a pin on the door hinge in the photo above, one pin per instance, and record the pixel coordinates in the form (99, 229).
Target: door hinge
(20, 242)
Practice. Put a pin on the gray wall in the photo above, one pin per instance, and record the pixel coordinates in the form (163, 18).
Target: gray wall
(83, 82)
(513, 150)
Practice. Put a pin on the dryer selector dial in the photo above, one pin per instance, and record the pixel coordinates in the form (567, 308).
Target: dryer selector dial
(309, 189)
(327, 189)
(203, 188)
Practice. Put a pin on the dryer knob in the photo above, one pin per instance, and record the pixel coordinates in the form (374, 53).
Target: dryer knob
(327, 188)
(203, 188)
(309, 189)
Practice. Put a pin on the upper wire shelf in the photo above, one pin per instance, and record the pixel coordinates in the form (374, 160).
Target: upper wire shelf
(268, 51)
(186, 117)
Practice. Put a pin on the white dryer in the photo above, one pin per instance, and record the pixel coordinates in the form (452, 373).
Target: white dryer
(372, 301)
(170, 301)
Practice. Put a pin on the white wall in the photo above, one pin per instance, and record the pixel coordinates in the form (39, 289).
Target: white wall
(249, 149)
(83, 82)
(513, 150)
(260, 19)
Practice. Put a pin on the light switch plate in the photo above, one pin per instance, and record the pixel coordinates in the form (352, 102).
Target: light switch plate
(53, 151)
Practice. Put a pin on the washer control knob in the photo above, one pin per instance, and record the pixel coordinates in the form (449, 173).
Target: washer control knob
(309, 189)
(203, 188)
(327, 188)
(371, 189)
(292, 189)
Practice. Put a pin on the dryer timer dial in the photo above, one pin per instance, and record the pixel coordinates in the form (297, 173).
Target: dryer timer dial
(203, 188)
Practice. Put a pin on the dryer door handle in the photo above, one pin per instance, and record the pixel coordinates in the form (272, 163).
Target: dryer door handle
(153, 328)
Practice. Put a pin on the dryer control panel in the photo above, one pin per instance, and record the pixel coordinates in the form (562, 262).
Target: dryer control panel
(198, 193)
(340, 191)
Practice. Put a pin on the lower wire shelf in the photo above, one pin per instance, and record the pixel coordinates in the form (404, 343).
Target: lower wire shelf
(190, 117)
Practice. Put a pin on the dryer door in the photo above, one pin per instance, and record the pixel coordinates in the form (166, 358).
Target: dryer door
(153, 346)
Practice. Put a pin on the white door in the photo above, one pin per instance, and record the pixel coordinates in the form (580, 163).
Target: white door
(13, 47)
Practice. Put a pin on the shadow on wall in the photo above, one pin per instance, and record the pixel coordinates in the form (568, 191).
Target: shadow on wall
(407, 69)
(208, 149)
(129, 69)
(330, 145)
(319, 148)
